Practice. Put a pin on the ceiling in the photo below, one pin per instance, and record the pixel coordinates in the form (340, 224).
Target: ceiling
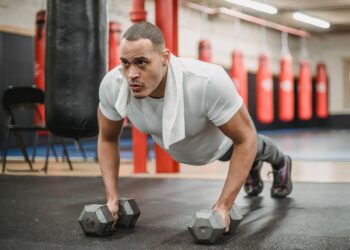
(337, 12)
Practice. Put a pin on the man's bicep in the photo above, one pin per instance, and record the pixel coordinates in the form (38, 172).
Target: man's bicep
(240, 127)
(108, 129)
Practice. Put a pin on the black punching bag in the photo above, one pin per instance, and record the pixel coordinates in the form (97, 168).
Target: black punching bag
(76, 52)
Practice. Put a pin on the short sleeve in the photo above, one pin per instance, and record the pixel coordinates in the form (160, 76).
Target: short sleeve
(108, 94)
(222, 100)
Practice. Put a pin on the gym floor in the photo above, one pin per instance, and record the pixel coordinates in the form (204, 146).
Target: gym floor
(40, 211)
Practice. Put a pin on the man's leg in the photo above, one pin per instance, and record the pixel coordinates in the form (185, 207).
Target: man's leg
(253, 184)
(281, 166)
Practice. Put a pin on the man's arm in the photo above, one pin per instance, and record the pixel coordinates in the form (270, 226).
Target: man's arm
(240, 129)
(109, 159)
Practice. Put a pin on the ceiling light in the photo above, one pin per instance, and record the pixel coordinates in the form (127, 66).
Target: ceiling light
(255, 5)
(311, 20)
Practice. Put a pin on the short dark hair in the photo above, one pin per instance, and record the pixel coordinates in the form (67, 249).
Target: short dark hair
(145, 30)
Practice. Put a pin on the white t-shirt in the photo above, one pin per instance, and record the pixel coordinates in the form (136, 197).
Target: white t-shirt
(210, 100)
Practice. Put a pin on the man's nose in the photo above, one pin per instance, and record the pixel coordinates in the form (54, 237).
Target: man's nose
(133, 73)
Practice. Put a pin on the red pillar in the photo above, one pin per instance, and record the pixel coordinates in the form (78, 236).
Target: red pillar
(113, 48)
(166, 20)
(139, 139)
(139, 149)
(40, 49)
(175, 28)
(138, 13)
(40, 40)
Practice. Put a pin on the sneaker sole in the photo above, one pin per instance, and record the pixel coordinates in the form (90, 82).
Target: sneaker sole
(279, 195)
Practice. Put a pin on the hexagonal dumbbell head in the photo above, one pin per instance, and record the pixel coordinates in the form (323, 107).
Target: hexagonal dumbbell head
(96, 220)
(235, 217)
(207, 226)
(129, 212)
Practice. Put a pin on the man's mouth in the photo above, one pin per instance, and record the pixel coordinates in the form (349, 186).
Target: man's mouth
(136, 87)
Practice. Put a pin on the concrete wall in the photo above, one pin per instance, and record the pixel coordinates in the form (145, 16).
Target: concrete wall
(224, 33)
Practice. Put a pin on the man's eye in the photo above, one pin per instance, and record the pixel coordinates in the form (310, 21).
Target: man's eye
(141, 63)
(125, 64)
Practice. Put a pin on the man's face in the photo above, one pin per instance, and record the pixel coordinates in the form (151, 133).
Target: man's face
(144, 66)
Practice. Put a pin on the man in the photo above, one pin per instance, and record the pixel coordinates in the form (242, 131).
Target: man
(191, 109)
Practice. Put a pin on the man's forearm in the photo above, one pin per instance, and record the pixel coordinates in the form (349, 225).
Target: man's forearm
(109, 160)
(242, 158)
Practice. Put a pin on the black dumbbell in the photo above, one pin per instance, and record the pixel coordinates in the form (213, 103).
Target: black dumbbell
(207, 226)
(97, 220)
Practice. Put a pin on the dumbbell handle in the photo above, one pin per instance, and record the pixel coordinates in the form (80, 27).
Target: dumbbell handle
(128, 213)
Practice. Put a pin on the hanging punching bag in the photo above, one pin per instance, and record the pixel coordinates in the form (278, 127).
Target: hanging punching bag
(264, 91)
(286, 90)
(76, 39)
(321, 91)
(204, 51)
(39, 41)
(239, 75)
(305, 91)
(113, 48)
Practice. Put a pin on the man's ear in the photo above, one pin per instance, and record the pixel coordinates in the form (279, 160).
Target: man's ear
(166, 56)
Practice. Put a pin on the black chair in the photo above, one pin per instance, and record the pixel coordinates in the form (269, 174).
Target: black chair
(26, 99)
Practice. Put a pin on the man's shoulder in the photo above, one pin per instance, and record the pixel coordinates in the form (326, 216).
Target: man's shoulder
(110, 84)
(198, 68)
(113, 78)
(115, 74)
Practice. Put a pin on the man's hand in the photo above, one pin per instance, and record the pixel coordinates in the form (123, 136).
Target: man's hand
(225, 215)
(114, 209)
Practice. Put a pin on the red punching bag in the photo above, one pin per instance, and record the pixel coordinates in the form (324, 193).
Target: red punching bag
(321, 91)
(39, 73)
(113, 49)
(264, 91)
(305, 91)
(204, 51)
(239, 75)
(286, 90)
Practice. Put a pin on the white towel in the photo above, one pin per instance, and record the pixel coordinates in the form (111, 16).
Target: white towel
(173, 123)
